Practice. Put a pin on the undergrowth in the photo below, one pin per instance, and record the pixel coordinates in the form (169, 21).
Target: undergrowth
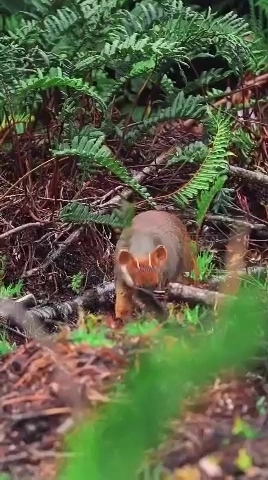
(135, 422)
(86, 66)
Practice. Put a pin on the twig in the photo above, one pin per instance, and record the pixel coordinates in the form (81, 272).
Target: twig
(235, 221)
(139, 177)
(177, 291)
(53, 255)
(28, 301)
(18, 417)
(248, 175)
(50, 160)
(13, 330)
(22, 227)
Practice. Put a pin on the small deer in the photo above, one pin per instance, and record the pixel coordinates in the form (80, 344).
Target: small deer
(151, 253)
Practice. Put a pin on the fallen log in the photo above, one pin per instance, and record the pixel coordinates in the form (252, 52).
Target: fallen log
(93, 300)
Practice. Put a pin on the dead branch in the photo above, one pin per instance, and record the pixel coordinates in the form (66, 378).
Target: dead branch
(236, 221)
(177, 291)
(249, 176)
(22, 227)
(140, 177)
(28, 301)
(91, 301)
(15, 314)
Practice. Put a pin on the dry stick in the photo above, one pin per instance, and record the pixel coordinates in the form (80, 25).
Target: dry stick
(50, 160)
(248, 175)
(100, 297)
(22, 227)
(51, 257)
(140, 176)
(28, 301)
(236, 221)
(15, 312)
(177, 291)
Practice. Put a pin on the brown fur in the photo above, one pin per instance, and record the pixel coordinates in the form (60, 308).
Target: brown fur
(154, 251)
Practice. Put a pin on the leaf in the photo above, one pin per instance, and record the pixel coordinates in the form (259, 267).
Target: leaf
(244, 460)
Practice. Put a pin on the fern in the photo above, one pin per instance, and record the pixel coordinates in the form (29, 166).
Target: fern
(206, 78)
(194, 152)
(55, 78)
(95, 152)
(215, 163)
(107, 51)
(80, 213)
(182, 107)
(20, 121)
(244, 142)
(206, 197)
(258, 20)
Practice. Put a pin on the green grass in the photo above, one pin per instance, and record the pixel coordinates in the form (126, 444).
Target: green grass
(5, 346)
(11, 291)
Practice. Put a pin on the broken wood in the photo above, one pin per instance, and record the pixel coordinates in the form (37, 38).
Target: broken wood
(93, 300)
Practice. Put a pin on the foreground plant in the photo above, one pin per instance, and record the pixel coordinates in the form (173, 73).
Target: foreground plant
(114, 445)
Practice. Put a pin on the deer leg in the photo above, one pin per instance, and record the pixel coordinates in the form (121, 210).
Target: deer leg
(123, 301)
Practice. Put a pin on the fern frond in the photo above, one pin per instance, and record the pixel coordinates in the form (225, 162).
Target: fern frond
(19, 121)
(55, 78)
(93, 150)
(57, 25)
(194, 152)
(232, 30)
(244, 142)
(206, 197)
(206, 78)
(81, 213)
(215, 163)
(183, 107)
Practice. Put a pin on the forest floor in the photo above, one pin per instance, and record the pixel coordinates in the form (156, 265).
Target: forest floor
(223, 433)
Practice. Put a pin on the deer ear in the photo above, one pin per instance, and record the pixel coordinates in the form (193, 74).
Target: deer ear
(124, 257)
(159, 255)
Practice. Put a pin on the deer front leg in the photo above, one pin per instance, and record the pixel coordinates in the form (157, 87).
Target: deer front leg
(123, 301)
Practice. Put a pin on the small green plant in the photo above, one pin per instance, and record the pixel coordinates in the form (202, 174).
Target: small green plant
(262, 405)
(96, 336)
(11, 290)
(152, 473)
(77, 282)
(241, 427)
(193, 316)
(5, 347)
(244, 460)
(5, 476)
(137, 329)
(260, 280)
(205, 264)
